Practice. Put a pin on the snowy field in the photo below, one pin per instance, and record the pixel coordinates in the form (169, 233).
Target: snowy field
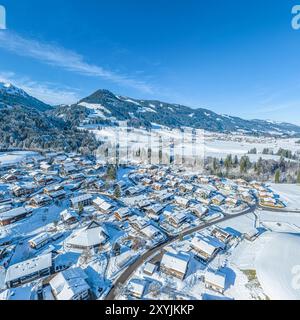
(274, 255)
(206, 143)
(7, 158)
(220, 145)
(36, 223)
(268, 267)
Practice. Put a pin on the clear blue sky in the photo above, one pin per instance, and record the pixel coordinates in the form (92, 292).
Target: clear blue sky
(234, 57)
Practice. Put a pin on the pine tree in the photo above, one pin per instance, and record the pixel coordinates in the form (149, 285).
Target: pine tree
(298, 177)
(117, 192)
(236, 161)
(80, 209)
(245, 164)
(215, 165)
(277, 176)
(180, 237)
(259, 166)
(243, 167)
(111, 172)
(228, 162)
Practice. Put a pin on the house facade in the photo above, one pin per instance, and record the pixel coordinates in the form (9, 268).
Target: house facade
(29, 270)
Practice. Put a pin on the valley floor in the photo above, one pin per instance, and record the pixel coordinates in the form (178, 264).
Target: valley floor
(142, 232)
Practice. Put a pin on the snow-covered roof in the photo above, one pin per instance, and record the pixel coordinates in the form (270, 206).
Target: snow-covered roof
(90, 236)
(68, 214)
(6, 207)
(150, 268)
(17, 294)
(140, 221)
(179, 216)
(181, 200)
(218, 197)
(200, 208)
(102, 204)
(99, 183)
(12, 213)
(69, 167)
(40, 198)
(40, 238)
(178, 262)
(81, 198)
(28, 267)
(156, 208)
(27, 185)
(69, 283)
(45, 165)
(165, 196)
(137, 287)
(217, 279)
(150, 231)
(58, 193)
(53, 188)
(123, 212)
(202, 245)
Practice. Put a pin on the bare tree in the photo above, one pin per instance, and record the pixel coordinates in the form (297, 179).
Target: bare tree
(154, 288)
(85, 256)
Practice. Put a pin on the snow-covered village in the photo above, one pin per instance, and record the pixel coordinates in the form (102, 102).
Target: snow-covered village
(75, 229)
(149, 156)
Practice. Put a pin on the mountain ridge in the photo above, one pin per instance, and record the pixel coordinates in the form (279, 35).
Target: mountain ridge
(27, 123)
(11, 96)
(145, 112)
(103, 107)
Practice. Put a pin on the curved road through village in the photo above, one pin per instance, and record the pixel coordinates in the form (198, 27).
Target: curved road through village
(124, 277)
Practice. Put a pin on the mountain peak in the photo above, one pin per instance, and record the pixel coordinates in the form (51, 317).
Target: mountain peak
(99, 96)
(8, 88)
(5, 85)
(109, 107)
(12, 96)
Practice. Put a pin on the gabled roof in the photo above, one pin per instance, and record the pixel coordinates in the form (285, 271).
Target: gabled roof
(124, 212)
(92, 225)
(179, 216)
(217, 279)
(12, 213)
(202, 245)
(102, 203)
(40, 198)
(80, 198)
(28, 267)
(150, 231)
(40, 238)
(68, 214)
(69, 283)
(90, 236)
(200, 208)
(137, 287)
(182, 200)
(178, 262)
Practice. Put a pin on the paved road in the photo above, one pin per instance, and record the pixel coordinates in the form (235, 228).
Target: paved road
(132, 268)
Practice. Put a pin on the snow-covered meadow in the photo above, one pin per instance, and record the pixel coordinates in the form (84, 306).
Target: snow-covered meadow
(206, 144)
(10, 158)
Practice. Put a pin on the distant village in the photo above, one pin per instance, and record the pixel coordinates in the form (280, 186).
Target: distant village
(71, 226)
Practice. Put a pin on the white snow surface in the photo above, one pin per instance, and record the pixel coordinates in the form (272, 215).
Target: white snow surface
(278, 265)
(7, 158)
